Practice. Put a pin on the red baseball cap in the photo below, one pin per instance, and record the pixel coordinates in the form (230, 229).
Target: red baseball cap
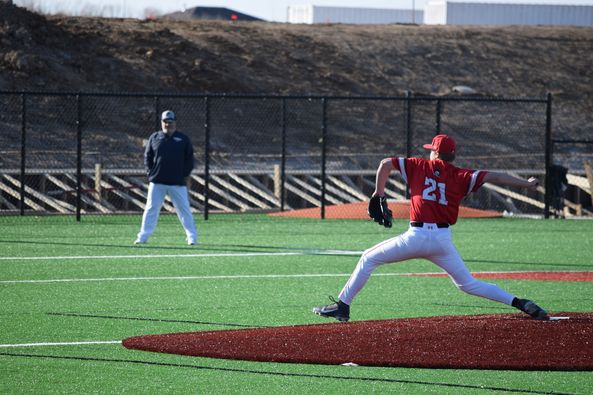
(442, 143)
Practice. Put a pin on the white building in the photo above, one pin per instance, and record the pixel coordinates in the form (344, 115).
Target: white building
(318, 14)
(444, 12)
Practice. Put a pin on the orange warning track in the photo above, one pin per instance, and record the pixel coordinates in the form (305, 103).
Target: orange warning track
(359, 211)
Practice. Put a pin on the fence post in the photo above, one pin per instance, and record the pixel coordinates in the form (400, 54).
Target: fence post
(157, 115)
(277, 181)
(78, 157)
(323, 154)
(438, 121)
(98, 177)
(589, 173)
(548, 157)
(23, 151)
(283, 160)
(408, 115)
(206, 157)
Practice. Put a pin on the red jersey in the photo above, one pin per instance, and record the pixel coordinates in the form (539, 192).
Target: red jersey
(436, 188)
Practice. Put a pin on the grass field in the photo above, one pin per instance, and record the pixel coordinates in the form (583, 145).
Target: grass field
(63, 283)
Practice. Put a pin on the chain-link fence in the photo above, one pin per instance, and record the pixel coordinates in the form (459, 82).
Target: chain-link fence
(82, 153)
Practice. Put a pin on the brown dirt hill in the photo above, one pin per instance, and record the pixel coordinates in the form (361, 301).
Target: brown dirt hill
(94, 54)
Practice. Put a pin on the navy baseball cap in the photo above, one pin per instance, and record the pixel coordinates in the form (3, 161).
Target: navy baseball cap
(168, 116)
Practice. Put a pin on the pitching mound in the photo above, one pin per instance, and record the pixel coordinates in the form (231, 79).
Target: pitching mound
(507, 341)
(359, 211)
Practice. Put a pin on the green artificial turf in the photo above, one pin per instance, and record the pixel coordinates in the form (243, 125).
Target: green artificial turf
(62, 281)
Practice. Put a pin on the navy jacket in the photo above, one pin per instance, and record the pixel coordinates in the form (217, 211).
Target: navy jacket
(168, 159)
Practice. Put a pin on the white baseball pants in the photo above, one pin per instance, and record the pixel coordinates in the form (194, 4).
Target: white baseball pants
(428, 242)
(156, 197)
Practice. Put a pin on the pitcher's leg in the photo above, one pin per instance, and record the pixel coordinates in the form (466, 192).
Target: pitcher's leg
(453, 264)
(180, 198)
(154, 202)
(402, 247)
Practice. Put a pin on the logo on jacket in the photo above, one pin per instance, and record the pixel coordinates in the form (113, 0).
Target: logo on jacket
(437, 173)
(177, 139)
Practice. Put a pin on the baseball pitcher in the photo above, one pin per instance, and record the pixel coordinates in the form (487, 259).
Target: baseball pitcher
(436, 190)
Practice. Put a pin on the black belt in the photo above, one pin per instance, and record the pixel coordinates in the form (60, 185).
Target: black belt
(417, 224)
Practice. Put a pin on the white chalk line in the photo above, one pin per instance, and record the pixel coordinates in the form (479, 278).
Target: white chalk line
(206, 255)
(181, 278)
(242, 276)
(60, 344)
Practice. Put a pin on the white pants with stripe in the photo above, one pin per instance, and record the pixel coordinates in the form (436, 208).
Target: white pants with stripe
(156, 197)
(428, 242)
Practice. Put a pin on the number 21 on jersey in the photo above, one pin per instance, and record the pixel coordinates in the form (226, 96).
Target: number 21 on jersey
(431, 192)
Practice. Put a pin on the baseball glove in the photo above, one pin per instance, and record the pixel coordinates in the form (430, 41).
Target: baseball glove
(379, 211)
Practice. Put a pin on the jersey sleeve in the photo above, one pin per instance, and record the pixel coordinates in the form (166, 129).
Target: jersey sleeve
(403, 165)
(395, 161)
(149, 154)
(475, 180)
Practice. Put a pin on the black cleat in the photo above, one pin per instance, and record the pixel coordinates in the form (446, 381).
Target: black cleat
(536, 312)
(338, 310)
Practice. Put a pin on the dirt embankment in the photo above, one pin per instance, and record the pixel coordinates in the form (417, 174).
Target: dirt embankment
(90, 54)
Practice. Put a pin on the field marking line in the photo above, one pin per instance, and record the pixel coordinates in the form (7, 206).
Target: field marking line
(245, 276)
(48, 344)
(206, 255)
(158, 278)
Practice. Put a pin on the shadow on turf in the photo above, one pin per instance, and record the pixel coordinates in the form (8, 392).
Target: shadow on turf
(153, 320)
(78, 244)
(281, 374)
(199, 247)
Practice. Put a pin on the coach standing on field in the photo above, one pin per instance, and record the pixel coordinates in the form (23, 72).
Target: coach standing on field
(169, 160)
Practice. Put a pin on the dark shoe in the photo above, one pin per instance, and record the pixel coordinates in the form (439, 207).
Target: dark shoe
(338, 310)
(536, 312)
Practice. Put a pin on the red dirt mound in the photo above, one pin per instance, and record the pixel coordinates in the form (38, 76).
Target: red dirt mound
(461, 342)
(359, 211)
